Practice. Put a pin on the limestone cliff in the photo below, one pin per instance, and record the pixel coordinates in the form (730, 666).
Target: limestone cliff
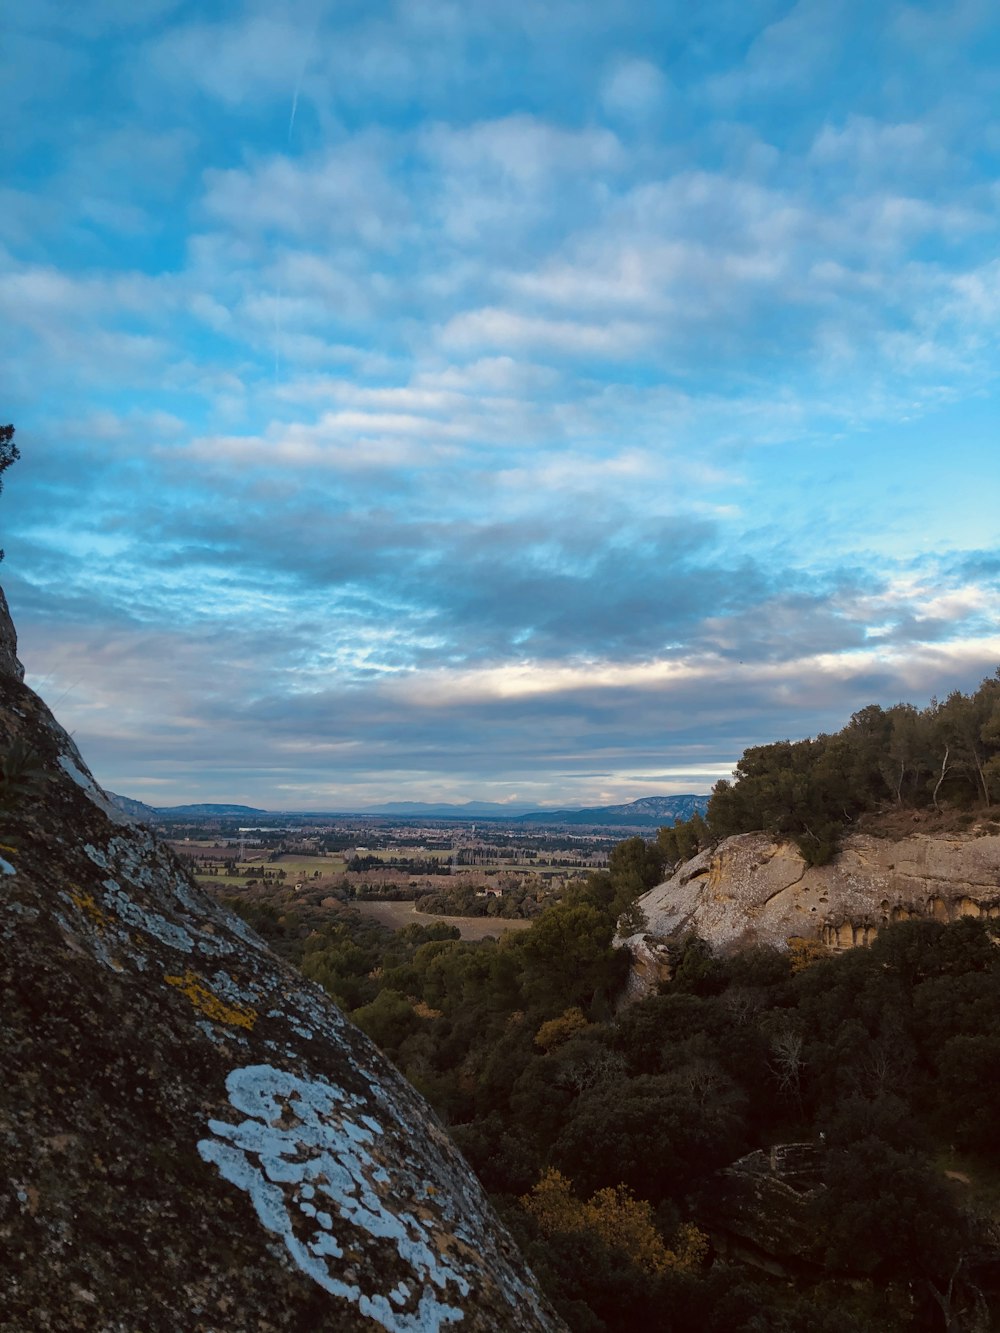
(192, 1136)
(750, 889)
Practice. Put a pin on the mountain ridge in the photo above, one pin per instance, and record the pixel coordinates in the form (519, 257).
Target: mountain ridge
(645, 811)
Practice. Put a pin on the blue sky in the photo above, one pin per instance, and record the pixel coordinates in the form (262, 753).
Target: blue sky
(527, 402)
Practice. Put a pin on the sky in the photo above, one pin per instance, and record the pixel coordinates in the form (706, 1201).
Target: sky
(529, 402)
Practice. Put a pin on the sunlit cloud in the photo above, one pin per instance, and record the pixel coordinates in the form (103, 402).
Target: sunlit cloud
(554, 399)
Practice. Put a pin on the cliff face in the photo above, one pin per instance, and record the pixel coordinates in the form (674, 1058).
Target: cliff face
(751, 889)
(192, 1136)
(10, 667)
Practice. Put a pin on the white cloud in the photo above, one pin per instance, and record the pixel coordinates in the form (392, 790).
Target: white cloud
(346, 191)
(634, 89)
(494, 327)
(455, 374)
(564, 475)
(343, 441)
(975, 295)
(240, 61)
(877, 151)
(521, 151)
(792, 53)
(499, 179)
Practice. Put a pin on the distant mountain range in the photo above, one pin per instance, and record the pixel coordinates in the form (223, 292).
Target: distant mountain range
(647, 812)
(204, 810)
(464, 810)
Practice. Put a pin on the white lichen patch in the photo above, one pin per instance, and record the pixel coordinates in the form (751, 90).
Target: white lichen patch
(86, 932)
(98, 857)
(292, 1021)
(247, 992)
(238, 927)
(26, 914)
(146, 920)
(135, 859)
(314, 1007)
(185, 897)
(216, 1032)
(305, 1157)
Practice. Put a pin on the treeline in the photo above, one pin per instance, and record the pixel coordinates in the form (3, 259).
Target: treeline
(484, 856)
(810, 791)
(598, 1135)
(522, 896)
(413, 865)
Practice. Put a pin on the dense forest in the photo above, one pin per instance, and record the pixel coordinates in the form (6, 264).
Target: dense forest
(947, 754)
(598, 1132)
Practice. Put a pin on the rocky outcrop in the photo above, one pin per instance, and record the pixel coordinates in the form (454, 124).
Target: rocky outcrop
(192, 1136)
(760, 1209)
(137, 810)
(753, 890)
(10, 667)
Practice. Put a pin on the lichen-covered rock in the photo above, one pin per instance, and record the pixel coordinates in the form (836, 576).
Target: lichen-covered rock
(10, 667)
(753, 890)
(192, 1136)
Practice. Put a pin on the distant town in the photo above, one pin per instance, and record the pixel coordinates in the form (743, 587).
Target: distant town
(470, 868)
(440, 866)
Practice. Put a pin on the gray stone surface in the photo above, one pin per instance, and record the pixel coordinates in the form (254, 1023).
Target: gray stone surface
(750, 889)
(192, 1136)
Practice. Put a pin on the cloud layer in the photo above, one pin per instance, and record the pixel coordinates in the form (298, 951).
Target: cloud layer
(449, 401)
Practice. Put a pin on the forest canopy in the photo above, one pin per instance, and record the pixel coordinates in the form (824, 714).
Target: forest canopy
(9, 454)
(605, 1131)
(600, 1132)
(811, 790)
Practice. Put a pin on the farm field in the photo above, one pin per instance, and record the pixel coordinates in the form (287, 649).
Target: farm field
(208, 863)
(298, 864)
(398, 915)
(385, 861)
(403, 851)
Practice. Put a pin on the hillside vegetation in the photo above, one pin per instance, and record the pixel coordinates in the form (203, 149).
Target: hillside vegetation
(599, 1136)
(943, 757)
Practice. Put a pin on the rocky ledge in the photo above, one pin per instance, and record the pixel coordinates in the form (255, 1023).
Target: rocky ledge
(193, 1137)
(753, 890)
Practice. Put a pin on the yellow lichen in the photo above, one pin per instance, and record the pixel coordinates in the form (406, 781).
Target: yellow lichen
(86, 903)
(193, 987)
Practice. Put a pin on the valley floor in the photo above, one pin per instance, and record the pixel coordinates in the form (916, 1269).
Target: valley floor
(398, 915)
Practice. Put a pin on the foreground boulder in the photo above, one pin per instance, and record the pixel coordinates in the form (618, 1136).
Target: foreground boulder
(759, 1209)
(192, 1136)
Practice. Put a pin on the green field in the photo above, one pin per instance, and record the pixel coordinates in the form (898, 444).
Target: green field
(295, 867)
(409, 854)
